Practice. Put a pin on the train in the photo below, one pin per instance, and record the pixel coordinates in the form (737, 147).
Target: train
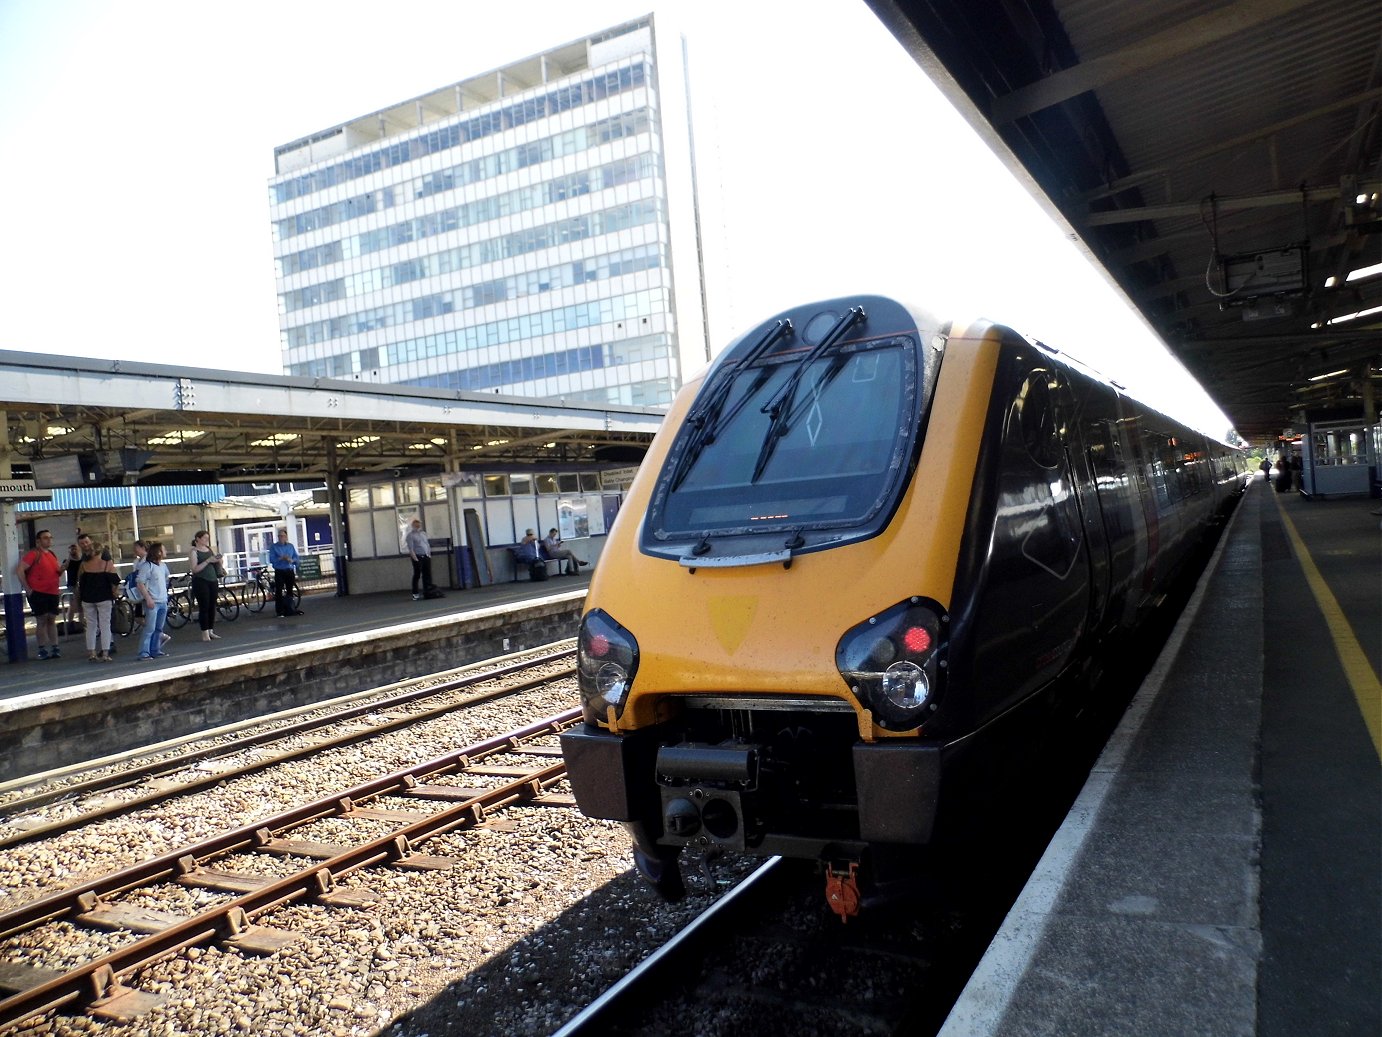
(860, 543)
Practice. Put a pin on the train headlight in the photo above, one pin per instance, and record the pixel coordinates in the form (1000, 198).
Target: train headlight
(606, 662)
(905, 685)
(893, 661)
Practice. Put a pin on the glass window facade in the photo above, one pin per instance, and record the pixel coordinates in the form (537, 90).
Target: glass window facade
(524, 245)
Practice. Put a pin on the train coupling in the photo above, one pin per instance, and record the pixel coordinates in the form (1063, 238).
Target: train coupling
(842, 888)
(704, 790)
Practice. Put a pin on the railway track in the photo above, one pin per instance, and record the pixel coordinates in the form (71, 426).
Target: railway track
(110, 787)
(768, 958)
(395, 813)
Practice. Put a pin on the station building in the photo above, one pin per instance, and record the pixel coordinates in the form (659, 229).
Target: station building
(529, 231)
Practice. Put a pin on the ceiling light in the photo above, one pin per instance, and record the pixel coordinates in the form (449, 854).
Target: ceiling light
(1355, 316)
(60, 430)
(177, 436)
(277, 439)
(1331, 374)
(1364, 271)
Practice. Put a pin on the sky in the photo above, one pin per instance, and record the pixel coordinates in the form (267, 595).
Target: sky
(139, 142)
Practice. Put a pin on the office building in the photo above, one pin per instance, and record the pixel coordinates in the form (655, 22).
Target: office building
(529, 231)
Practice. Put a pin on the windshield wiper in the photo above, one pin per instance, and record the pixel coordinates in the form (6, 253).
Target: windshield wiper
(706, 421)
(780, 406)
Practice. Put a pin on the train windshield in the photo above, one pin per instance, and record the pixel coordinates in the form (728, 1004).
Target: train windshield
(801, 440)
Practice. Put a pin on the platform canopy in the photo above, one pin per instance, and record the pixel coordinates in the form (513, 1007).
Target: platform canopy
(1221, 160)
(73, 421)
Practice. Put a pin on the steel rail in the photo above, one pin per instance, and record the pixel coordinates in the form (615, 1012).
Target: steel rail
(156, 769)
(98, 979)
(360, 703)
(687, 943)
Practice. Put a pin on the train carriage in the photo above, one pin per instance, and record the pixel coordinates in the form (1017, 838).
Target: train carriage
(859, 541)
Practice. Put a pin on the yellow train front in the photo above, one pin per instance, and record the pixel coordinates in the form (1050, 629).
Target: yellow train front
(860, 541)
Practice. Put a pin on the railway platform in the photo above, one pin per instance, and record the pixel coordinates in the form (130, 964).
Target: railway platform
(1221, 871)
(58, 711)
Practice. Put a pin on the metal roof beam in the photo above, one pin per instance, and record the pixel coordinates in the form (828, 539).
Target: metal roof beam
(1262, 133)
(1156, 49)
(1266, 200)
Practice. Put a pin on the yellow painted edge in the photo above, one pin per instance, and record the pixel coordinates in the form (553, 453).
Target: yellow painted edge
(950, 452)
(1357, 670)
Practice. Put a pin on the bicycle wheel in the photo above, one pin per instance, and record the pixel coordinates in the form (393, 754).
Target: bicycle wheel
(255, 596)
(227, 604)
(179, 609)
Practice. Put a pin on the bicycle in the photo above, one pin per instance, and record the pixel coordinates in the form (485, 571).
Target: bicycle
(179, 600)
(259, 590)
(227, 601)
(181, 607)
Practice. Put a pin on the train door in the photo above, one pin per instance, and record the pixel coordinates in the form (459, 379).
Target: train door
(1034, 607)
(1113, 496)
(1142, 509)
(1084, 449)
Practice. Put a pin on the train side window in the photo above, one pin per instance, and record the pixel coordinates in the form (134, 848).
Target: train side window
(1036, 413)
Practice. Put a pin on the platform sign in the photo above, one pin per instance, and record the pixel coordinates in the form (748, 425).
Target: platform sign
(22, 489)
(309, 567)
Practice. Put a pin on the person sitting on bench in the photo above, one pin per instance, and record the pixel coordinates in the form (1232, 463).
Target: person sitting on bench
(551, 545)
(528, 553)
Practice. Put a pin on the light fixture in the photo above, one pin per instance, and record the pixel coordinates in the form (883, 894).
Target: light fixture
(177, 436)
(1355, 316)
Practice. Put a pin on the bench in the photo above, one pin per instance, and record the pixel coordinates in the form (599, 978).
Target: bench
(521, 565)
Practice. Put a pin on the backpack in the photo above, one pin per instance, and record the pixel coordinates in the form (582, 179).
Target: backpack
(537, 570)
(132, 581)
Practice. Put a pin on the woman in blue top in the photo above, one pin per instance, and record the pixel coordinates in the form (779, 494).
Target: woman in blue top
(151, 578)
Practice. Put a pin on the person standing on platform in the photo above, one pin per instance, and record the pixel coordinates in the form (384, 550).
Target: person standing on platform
(551, 544)
(283, 556)
(141, 552)
(38, 576)
(96, 583)
(206, 581)
(70, 567)
(1283, 474)
(151, 580)
(420, 551)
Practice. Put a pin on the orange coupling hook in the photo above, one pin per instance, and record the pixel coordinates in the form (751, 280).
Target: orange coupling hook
(842, 889)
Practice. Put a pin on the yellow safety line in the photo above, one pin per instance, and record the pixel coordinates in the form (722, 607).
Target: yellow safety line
(1361, 678)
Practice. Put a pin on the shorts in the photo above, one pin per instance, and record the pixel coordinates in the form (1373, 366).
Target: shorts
(43, 604)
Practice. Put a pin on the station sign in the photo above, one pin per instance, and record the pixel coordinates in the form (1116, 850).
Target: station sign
(22, 489)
